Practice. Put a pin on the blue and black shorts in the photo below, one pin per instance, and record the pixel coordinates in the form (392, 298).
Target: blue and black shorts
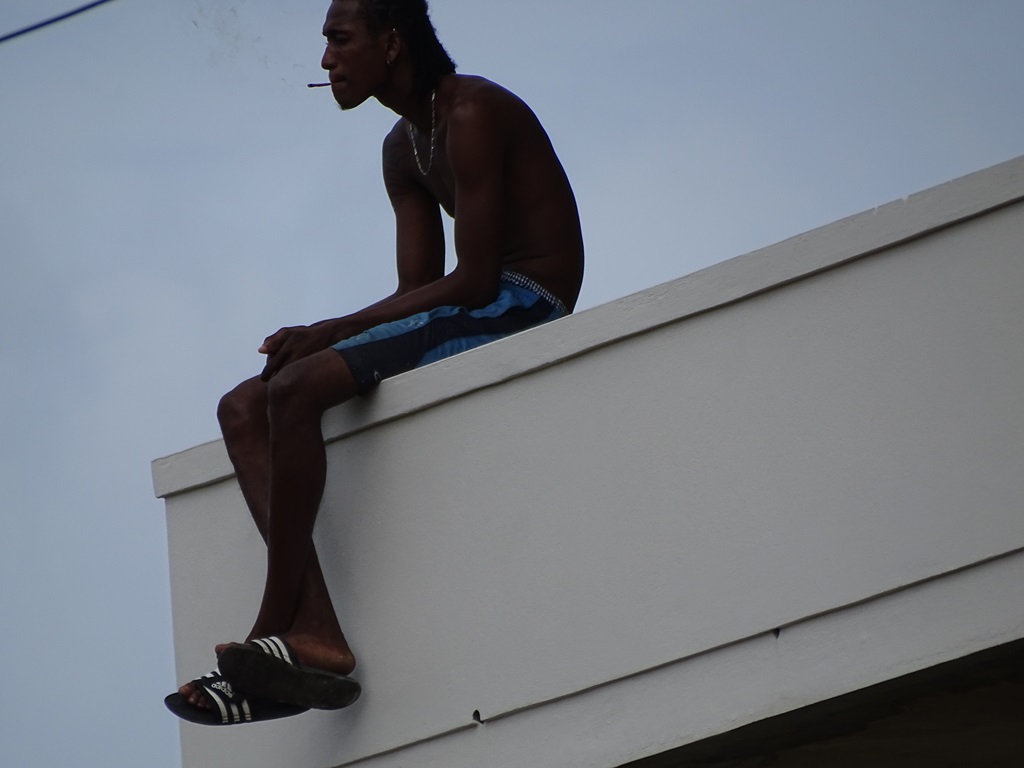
(392, 348)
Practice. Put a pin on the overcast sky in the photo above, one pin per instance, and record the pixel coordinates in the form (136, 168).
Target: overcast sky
(171, 193)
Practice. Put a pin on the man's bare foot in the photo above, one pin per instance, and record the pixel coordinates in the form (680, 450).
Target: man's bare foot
(195, 696)
(312, 651)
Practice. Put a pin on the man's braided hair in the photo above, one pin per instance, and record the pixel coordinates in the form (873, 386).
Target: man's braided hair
(430, 61)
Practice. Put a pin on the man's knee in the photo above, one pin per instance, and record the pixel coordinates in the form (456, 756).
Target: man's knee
(238, 407)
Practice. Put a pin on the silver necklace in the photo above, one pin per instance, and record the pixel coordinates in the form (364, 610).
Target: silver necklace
(433, 138)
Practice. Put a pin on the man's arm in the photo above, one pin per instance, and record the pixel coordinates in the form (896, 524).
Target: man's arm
(475, 150)
(419, 261)
(419, 234)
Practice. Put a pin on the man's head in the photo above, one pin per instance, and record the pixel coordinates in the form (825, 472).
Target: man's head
(366, 34)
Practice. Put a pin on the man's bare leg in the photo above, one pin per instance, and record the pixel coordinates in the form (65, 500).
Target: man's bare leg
(298, 396)
(243, 416)
(272, 432)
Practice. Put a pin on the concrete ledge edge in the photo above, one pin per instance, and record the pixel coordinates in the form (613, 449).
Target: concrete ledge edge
(796, 258)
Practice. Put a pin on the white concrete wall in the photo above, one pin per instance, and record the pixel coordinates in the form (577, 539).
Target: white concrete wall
(586, 533)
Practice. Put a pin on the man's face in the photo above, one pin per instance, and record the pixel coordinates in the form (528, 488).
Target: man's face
(355, 59)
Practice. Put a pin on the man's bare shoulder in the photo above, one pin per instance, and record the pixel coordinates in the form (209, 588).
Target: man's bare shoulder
(466, 88)
(469, 98)
(475, 98)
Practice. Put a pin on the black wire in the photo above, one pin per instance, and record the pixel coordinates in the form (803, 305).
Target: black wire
(54, 20)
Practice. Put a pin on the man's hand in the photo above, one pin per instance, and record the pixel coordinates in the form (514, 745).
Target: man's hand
(291, 344)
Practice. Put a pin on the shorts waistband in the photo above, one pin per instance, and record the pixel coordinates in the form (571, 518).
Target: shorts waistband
(532, 285)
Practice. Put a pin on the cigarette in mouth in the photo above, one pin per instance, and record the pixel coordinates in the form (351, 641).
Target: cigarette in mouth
(318, 85)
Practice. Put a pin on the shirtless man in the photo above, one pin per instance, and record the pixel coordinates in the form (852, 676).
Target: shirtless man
(462, 144)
